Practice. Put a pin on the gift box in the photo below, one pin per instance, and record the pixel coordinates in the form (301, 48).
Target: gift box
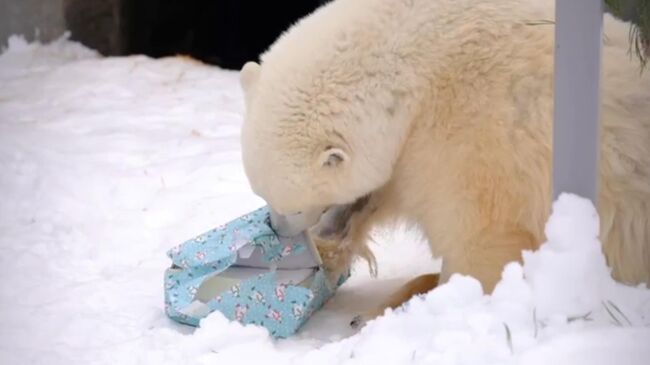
(247, 272)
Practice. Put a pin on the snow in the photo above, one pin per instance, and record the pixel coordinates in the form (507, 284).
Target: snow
(108, 162)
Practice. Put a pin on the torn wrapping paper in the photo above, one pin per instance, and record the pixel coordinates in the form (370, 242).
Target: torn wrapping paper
(249, 274)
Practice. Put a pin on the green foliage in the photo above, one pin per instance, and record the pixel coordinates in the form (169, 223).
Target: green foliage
(638, 13)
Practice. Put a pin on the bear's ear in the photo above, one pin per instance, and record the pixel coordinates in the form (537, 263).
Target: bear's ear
(332, 157)
(248, 76)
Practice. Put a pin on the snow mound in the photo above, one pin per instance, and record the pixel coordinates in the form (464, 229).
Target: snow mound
(35, 57)
(569, 275)
(108, 162)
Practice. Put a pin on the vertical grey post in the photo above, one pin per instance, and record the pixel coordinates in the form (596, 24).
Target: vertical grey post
(578, 31)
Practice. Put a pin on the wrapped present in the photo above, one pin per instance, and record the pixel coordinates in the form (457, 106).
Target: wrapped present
(247, 272)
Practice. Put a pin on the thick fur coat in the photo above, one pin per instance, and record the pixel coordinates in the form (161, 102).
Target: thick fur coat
(439, 113)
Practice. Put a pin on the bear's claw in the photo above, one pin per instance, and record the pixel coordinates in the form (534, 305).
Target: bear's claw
(357, 322)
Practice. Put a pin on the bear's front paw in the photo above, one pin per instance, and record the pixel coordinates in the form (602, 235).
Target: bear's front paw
(337, 258)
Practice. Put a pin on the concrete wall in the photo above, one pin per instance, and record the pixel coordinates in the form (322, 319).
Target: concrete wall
(99, 24)
(35, 19)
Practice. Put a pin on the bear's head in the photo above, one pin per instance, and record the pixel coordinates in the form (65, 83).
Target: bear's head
(323, 125)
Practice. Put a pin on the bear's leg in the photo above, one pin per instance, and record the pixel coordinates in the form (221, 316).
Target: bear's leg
(477, 221)
(500, 202)
(420, 285)
(487, 253)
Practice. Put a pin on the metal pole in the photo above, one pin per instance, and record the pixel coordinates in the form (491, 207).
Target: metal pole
(578, 31)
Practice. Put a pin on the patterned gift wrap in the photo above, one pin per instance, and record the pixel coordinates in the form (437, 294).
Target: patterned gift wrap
(243, 270)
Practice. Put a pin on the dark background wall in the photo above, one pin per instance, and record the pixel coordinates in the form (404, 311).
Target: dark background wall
(226, 33)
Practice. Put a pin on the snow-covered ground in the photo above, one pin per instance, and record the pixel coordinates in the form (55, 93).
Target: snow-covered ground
(106, 163)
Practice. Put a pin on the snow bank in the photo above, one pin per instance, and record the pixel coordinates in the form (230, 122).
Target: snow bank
(108, 162)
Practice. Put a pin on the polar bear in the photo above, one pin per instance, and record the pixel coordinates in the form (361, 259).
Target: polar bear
(439, 113)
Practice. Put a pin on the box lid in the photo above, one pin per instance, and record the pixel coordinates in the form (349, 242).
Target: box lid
(248, 241)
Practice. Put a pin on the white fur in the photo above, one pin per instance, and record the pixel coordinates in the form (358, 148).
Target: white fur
(442, 109)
